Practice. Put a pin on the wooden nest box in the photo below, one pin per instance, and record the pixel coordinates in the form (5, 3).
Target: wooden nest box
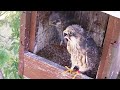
(41, 56)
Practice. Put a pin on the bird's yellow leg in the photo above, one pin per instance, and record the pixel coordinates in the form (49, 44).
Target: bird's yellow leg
(71, 71)
(68, 70)
(76, 73)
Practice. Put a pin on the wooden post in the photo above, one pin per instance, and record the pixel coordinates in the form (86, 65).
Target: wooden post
(24, 38)
(33, 30)
(114, 69)
(111, 38)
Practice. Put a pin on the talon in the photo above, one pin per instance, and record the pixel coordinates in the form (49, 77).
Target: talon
(71, 71)
(76, 73)
(68, 70)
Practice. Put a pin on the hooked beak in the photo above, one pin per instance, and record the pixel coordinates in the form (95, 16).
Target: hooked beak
(66, 37)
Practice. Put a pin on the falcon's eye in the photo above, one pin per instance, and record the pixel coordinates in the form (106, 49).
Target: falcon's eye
(56, 21)
(65, 34)
(71, 34)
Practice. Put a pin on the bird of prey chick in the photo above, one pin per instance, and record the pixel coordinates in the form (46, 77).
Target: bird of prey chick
(83, 50)
(56, 20)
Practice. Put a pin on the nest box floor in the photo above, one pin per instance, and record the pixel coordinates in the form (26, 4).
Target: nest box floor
(56, 53)
(59, 55)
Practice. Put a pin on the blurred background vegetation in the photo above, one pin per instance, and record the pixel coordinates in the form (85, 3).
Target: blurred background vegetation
(9, 43)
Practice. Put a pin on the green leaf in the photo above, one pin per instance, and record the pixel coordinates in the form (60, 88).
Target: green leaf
(4, 56)
(10, 65)
(11, 48)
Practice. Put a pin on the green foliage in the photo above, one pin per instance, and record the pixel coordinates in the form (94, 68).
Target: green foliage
(9, 54)
(15, 24)
(2, 21)
(4, 57)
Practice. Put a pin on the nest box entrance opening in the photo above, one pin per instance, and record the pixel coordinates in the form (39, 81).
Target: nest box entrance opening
(48, 35)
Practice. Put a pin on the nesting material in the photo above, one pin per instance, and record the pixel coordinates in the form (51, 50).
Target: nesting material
(56, 53)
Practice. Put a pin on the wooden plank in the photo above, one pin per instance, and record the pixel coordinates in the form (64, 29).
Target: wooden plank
(33, 30)
(94, 22)
(21, 48)
(110, 38)
(24, 28)
(115, 52)
(40, 68)
(106, 46)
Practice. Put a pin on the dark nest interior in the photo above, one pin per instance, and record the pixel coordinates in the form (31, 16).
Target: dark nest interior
(48, 39)
(56, 53)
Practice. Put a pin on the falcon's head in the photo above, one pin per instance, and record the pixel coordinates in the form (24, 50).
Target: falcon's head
(74, 34)
(55, 19)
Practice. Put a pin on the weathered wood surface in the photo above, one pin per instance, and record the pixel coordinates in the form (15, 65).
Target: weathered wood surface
(24, 38)
(36, 67)
(96, 23)
(109, 66)
(33, 30)
(115, 50)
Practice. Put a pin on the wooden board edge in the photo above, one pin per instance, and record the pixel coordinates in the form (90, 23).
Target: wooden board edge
(105, 59)
(24, 31)
(36, 67)
(33, 30)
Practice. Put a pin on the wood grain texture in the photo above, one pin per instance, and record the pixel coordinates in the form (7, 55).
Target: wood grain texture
(33, 30)
(24, 38)
(114, 69)
(36, 67)
(109, 61)
(96, 23)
